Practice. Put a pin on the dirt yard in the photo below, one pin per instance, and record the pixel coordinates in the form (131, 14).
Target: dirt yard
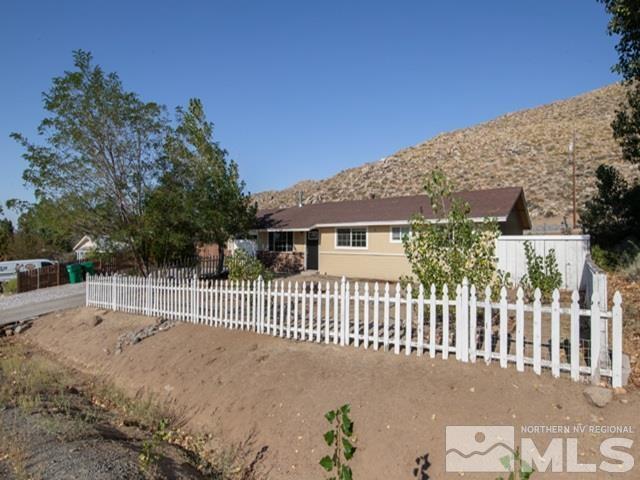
(234, 384)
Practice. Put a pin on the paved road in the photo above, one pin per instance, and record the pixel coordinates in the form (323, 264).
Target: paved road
(34, 309)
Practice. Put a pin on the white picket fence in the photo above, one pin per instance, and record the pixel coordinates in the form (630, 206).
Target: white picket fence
(462, 322)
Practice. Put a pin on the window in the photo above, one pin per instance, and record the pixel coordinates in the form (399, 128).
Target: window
(351, 237)
(398, 233)
(280, 241)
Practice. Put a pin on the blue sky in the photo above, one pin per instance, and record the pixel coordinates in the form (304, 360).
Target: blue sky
(303, 89)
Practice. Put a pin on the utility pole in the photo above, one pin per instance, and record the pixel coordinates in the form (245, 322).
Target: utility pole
(572, 158)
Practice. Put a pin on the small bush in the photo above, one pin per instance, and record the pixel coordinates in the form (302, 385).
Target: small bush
(243, 266)
(10, 286)
(542, 272)
(632, 271)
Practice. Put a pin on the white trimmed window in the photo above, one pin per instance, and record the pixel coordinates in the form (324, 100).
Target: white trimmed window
(351, 237)
(398, 233)
(280, 241)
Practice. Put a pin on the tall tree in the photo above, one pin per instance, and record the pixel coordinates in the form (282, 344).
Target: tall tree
(100, 151)
(625, 24)
(6, 235)
(612, 216)
(215, 197)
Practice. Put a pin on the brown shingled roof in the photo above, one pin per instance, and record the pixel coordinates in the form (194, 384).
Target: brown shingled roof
(495, 203)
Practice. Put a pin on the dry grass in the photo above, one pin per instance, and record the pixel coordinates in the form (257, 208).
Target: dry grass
(69, 404)
(13, 450)
(527, 148)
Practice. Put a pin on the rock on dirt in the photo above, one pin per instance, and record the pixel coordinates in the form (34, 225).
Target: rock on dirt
(15, 328)
(97, 320)
(131, 338)
(599, 396)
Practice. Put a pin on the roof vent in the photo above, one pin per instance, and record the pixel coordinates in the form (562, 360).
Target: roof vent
(300, 196)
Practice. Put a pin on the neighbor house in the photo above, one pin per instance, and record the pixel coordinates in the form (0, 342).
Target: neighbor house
(363, 238)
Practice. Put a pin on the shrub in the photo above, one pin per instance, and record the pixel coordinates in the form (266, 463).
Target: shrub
(454, 247)
(542, 272)
(243, 266)
(10, 286)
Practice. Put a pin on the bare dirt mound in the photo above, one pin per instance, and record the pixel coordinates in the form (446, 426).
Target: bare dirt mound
(233, 383)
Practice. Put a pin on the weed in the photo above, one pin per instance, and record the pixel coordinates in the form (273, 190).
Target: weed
(149, 455)
(340, 437)
(542, 272)
(521, 469)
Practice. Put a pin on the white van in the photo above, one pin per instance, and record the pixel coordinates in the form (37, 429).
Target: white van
(8, 270)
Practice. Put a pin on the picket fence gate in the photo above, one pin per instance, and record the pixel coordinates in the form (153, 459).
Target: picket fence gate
(463, 324)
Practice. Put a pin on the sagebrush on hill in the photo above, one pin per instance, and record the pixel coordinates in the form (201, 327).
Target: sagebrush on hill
(526, 148)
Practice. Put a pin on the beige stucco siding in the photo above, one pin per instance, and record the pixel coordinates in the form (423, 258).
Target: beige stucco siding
(381, 260)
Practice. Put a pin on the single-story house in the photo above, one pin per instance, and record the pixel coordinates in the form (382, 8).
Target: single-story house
(88, 245)
(363, 238)
(84, 247)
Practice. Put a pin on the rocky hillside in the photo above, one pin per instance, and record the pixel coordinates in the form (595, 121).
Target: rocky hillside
(527, 148)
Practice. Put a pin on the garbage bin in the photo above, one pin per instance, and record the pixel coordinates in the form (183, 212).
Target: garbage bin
(88, 269)
(75, 273)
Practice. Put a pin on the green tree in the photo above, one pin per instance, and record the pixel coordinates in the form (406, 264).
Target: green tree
(611, 216)
(100, 151)
(454, 246)
(625, 25)
(613, 213)
(6, 235)
(214, 199)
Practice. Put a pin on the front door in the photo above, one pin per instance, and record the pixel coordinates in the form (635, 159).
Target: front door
(312, 249)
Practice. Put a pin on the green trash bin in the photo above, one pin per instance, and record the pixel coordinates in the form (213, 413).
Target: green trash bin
(75, 273)
(88, 268)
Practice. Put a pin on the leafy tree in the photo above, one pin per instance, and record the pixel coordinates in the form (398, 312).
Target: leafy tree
(6, 235)
(611, 216)
(625, 24)
(100, 151)
(613, 213)
(454, 246)
(215, 197)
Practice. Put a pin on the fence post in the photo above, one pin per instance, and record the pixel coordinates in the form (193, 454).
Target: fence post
(458, 318)
(504, 344)
(575, 336)
(409, 320)
(147, 302)
(473, 324)
(616, 327)
(396, 322)
(520, 330)
(464, 325)
(595, 339)
(488, 327)
(537, 332)
(445, 321)
(343, 310)
(555, 334)
(113, 293)
(86, 293)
